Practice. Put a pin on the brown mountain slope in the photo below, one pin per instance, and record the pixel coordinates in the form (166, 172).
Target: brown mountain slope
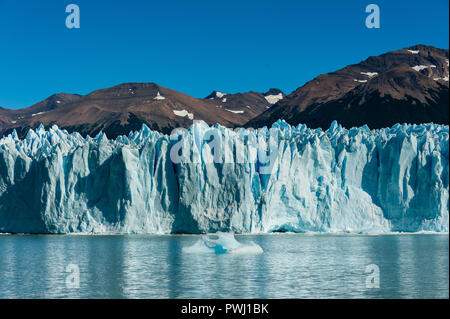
(122, 108)
(409, 85)
(250, 103)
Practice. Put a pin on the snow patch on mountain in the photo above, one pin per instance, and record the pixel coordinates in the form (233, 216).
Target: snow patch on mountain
(422, 67)
(235, 112)
(370, 74)
(159, 97)
(272, 99)
(184, 113)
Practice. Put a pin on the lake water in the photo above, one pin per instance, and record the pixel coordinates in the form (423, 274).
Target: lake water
(292, 266)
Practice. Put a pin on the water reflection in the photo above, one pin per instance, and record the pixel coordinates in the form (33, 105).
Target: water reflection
(292, 266)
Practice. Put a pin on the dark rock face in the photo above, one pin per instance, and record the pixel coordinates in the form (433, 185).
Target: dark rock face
(377, 111)
(404, 86)
(273, 91)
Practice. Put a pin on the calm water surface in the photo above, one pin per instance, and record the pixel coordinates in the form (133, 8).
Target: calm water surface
(292, 266)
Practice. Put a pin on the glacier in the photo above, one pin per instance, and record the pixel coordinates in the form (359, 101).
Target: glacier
(207, 179)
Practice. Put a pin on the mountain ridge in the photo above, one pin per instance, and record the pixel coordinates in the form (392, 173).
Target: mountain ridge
(418, 74)
(409, 85)
(118, 109)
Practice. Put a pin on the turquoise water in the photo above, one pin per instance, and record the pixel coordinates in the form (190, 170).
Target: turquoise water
(292, 266)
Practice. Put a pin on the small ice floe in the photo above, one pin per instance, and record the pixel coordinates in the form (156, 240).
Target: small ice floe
(413, 51)
(222, 243)
(360, 81)
(159, 97)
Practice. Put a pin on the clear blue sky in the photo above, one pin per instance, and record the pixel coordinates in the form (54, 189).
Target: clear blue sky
(197, 46)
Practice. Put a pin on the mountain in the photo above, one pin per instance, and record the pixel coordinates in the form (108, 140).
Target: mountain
(252, 103)
(8, 117)
(403, 86)
(125, 107)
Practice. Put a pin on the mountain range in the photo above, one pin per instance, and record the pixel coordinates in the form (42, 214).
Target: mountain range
(404, 86)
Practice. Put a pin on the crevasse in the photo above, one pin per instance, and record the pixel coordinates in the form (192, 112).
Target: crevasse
(339, 180)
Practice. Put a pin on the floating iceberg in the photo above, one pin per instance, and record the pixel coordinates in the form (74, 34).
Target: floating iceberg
(224, 243)
(284, 178)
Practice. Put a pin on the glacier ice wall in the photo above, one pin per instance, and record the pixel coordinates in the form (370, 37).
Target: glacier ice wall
(248, 181)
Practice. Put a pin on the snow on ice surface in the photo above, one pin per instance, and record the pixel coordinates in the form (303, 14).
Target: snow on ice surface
(220, 94)
(272, 99)
(184, 113)
(413, 51)
(358, 180)
(225, 243)
(360, 81)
